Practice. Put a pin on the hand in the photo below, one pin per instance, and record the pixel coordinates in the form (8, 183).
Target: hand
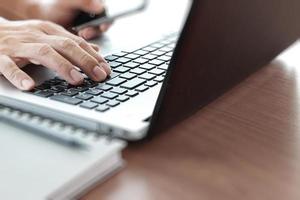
(50, 45)
(63, 12)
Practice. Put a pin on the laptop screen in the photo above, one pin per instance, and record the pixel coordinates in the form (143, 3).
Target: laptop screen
(222, 43)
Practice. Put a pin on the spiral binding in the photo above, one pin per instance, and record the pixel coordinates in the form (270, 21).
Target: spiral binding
(50, 126)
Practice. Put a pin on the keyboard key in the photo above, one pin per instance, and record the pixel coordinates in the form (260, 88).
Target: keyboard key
(165, 42)
(158, 53)
(113, 103)
(116, 81)
(118, 91)
(163, 67)
(147, 76)
(88, 105)
(141, 88)
(66, 99)
(132, 93)
(167, 49)
(111, 58)
(103, 87)
(123, 98)
(120, 54)
(44, 86)
(65, 85)
(57, 88)
(157, 72)
(131, 65)
(164, 58)
(128, 75)
(114, 64)
(82, 88)
(151, 83)
(133, 83)
(102, 108)
(149, 56)
(109, 95)
(94, 91)
(71, 92)
(169, 54)
(147, 66)
(121, 69)
(138, 71)
(159, 79)
(149, 49)
(123, 60)
(113, 75)
(157, 45)
(99, 100)
(54, 81)
(89, 83)
(132, 56)
(156, 62)
(141, 52)
(140, 61)
(44, 93)
(172, 46)
(83, 96)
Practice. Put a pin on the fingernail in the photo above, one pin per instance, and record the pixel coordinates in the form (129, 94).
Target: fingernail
(76, 76)
(99, 73)
(27, 84)
(88, 34)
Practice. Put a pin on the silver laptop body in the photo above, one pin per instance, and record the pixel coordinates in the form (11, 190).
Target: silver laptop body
(126, 120)
(129, 120)
(214, 53)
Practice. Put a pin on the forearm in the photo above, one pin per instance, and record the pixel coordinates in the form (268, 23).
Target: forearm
(18, 9)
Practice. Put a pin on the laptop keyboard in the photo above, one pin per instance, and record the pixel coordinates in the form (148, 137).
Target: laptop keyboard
(133, 73)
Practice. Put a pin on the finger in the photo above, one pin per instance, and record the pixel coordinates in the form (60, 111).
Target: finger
(14, 74)
(93, 32)
(53, 29)
(88, 48)
(45, 55)
(78, 56)
(89, 33)
(95, 47)
(105, 27)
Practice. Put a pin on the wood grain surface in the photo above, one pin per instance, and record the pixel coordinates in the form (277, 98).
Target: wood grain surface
(245, 145)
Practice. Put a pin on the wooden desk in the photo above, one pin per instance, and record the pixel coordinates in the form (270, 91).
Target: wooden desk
(245, 145)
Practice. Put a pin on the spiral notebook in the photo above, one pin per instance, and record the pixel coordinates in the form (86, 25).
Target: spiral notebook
(36, 165)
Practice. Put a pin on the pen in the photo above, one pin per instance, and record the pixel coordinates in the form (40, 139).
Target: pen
(106, 19)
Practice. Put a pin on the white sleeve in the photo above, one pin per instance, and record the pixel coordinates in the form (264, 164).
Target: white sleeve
(2, 19)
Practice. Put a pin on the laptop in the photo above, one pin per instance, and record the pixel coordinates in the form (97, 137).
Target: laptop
(158, 85)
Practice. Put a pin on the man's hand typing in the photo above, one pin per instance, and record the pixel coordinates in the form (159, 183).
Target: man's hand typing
(48, 44)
